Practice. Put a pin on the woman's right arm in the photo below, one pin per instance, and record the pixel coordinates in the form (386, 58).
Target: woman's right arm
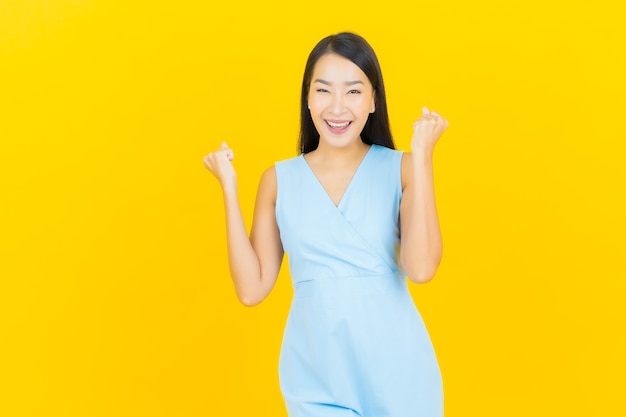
(254, 261)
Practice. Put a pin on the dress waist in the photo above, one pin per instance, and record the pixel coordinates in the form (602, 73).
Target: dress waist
(349, 286)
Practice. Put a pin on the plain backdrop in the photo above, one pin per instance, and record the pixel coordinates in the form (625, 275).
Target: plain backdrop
(115, 298)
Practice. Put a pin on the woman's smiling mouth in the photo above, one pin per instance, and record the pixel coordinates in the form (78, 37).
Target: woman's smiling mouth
(338, 126)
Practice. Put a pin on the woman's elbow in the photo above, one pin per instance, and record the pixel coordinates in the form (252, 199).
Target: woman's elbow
(421, 276)
(422, 272)
(249, 302)
(249, 299)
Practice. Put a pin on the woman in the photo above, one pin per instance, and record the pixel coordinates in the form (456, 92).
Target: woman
(356, 217)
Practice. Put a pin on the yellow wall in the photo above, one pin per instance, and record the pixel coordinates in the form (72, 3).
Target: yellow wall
(114, 294)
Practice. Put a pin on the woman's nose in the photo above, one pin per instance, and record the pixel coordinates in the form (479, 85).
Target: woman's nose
(338, 104)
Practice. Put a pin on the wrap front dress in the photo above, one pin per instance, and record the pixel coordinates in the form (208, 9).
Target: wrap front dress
(354, 343)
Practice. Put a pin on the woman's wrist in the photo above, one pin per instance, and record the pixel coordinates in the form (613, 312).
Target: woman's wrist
(229, 190)
(421, 154)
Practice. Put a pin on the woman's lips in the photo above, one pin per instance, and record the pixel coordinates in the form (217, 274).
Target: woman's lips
(337, 126)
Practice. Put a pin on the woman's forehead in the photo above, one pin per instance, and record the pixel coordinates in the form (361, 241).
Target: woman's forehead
(336, 68)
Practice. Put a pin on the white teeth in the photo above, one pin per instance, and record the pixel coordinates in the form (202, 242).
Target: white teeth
(338, 125)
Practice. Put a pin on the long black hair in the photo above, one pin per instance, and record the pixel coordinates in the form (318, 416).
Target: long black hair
(353, 47)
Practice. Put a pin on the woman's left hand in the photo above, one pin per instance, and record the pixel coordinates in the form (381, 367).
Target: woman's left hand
(427, 130)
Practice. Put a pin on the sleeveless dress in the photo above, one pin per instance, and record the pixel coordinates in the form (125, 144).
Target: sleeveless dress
(354, 343)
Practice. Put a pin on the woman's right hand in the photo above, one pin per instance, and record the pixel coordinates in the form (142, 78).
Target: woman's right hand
(220, 164)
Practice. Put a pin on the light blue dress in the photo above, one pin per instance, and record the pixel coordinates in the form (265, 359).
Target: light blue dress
(354, 343)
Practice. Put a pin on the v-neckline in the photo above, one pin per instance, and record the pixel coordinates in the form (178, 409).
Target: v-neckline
(345, 191)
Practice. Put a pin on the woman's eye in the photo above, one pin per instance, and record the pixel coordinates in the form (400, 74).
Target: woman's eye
(322, 90)
(354, 92)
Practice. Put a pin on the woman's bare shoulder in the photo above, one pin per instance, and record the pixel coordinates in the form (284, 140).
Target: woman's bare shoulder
(268, 183)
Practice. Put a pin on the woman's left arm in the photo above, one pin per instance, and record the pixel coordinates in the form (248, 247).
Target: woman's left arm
(420, 240)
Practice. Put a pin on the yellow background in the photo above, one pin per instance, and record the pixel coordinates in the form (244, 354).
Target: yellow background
(115, 298)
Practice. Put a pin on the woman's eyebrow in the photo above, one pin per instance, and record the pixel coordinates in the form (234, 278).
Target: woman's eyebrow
(347, 82)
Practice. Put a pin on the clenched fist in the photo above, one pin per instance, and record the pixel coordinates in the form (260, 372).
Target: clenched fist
(220, 164)
(427, 130)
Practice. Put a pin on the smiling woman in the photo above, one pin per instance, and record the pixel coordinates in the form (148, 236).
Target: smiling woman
(115, 296)
(340, 101)
(354, 59)
(354, 343)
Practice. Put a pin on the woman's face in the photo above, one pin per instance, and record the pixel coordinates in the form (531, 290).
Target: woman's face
(340, 100)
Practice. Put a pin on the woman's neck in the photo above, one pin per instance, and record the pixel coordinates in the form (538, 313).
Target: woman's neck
(332, 156)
